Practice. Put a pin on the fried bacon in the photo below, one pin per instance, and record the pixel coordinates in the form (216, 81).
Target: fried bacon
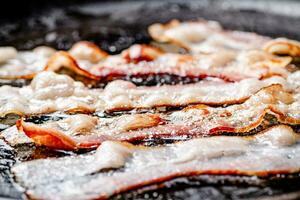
(84, 131)
(49, 92)
(97, 176)
(87, 60)
(205, 36)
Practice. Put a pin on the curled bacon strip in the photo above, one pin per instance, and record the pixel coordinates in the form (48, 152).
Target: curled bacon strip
(272, 152)
(87, 132)
(83, 51)
(63, 59)
(283, 46)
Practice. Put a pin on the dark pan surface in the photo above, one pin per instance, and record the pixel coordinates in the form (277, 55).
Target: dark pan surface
(115, 25)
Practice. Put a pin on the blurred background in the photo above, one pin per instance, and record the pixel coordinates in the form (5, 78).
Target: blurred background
(115, 25)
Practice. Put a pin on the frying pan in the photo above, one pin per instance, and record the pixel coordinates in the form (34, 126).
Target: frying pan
(114, 26)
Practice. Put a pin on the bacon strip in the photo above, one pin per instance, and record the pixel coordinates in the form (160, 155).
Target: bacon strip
(49, 92)
(205, 36)
(88, 61)
(141, 60)
(272, 152)
(83, 131)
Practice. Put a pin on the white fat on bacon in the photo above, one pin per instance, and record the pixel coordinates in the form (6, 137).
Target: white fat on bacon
(112, 155)
(50, 86)
(209, 148)
(205, 36)
(50, 92)
(78, 124)
(280, 137)
(87, 132)
(271, 152)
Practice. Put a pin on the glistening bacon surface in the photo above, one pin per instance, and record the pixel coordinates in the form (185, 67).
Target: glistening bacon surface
(205, 36)
(83, 131)
(275, 151)
(49, 92)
